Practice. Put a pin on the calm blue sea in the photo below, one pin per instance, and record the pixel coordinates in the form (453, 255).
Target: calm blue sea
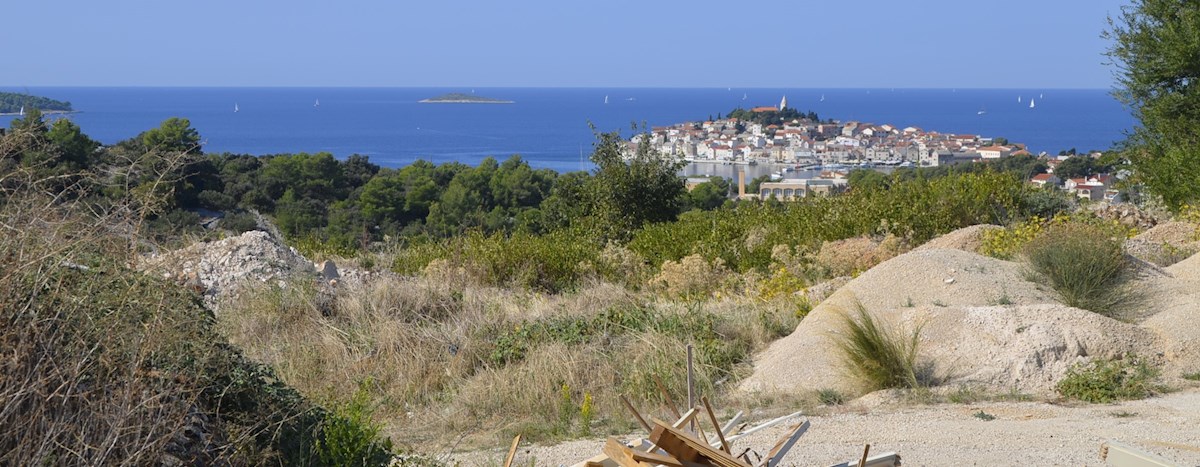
(549, 126)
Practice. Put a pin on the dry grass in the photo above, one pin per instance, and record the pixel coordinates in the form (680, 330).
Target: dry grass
(854, 255)
(82, 341)
(450, 361)
(691, 277)
(103, 365)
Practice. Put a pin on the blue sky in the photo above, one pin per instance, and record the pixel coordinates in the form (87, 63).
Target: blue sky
(699, 43)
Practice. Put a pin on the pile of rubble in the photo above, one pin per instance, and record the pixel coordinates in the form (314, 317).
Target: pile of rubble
(1128, 215)
(220, 270)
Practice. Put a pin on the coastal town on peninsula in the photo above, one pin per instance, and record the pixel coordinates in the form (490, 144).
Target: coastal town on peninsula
(832, 148)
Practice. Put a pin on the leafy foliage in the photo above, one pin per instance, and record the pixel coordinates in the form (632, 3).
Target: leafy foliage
(743, 235)
(772, 117)
(349, 437)
(1156, 52)
(1103, 381)
(624, 195)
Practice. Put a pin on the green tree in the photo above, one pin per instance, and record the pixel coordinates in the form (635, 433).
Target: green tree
(1156, 52)
(33, 122)
(1076, 166)
(174, 135)
(566, 201)
(867, 178)
(624, 195)
(709, 195)
(74, 147)
(755, 185)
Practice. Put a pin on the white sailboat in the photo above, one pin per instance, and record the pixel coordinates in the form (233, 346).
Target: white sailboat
(235, 107)
(21, 113)
(605, 99)
(1018, 99)
(1031, 103)
(743, 96)
(317, 103)
(822, 98)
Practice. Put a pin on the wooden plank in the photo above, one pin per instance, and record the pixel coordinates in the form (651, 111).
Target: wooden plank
(669, 444)
(728, 428)
(775, 457)
(1123, 455)
(620, 453)
(687, 417)
(635, 413)
(655, 458)
(866, 450)
(599, 460)
(512, 451)
(666, 396)
(688, 448)
(763, 426)
(716, 425)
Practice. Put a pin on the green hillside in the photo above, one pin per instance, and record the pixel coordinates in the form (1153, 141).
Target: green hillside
(12, 102)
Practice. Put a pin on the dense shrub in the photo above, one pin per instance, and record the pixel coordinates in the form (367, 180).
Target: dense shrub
(1104, 381)
(692, 277)
(107, 365)
(1008, 242)
(349, 437)
(239, 222)
(552, 262)
(855, 255)
(915, 210)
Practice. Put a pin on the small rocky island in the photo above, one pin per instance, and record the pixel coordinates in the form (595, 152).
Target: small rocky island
(460, 98)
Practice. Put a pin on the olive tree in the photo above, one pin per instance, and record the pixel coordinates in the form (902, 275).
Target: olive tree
(1156, 53)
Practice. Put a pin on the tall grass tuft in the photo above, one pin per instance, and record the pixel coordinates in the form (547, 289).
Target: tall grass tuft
(1085, 264)
(878, 357)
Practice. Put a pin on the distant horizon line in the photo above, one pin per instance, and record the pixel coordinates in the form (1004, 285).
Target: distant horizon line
(6, 86)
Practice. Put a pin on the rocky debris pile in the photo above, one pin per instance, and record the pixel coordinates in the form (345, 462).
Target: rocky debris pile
(982, 323)
(1128, 215)
(220, 269)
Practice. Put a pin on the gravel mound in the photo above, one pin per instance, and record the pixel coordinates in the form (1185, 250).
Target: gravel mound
(965, 239)
(981, 323)
(1176, 304)
(1173, 232)
(1187, 270)
(1165, 244)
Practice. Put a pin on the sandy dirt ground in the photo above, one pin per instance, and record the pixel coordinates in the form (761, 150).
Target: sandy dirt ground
(1022, 433)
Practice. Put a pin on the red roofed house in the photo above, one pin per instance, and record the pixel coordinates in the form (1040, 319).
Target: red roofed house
(994, 152)
(1045, 179)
